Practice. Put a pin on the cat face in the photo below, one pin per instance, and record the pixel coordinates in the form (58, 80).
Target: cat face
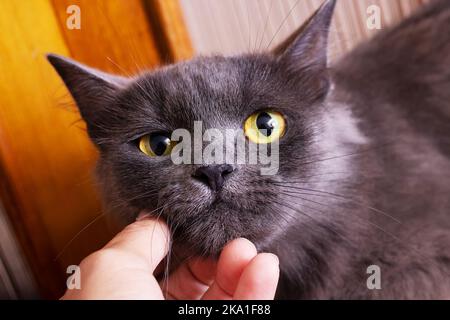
(221, 93)
(207, 205)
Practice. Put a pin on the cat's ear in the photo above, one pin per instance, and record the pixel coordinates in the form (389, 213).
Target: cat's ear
(305, 50)
(92, 90)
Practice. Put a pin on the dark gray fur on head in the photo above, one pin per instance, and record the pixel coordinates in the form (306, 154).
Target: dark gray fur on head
(364, 175)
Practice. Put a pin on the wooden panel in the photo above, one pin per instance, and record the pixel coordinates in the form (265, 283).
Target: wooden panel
(41, 179)
(167, 21)
(115, 35)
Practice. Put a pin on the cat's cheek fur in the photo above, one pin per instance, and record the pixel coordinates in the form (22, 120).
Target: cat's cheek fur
(329, 159)
(338, 138)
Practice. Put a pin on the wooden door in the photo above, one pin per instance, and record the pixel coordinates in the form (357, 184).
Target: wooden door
(46, 159)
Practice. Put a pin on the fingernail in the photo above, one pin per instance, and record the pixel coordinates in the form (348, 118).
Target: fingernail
(275, 257)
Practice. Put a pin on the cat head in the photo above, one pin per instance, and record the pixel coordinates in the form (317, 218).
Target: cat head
(131, 122)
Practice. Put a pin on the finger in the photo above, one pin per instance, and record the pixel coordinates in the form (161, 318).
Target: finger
(146, 238)
(232, 261)
(259, 280)
(191, 280)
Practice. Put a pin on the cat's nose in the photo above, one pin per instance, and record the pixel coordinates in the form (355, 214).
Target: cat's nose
(213, 175)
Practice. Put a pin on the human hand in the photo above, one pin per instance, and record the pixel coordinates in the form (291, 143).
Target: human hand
(124, 269)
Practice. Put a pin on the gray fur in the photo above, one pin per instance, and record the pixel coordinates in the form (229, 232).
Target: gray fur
(365, 163)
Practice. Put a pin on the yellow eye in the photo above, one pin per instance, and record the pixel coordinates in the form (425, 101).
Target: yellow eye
(265, 127)
(156, 145)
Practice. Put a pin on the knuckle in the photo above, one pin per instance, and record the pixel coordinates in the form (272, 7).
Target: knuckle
(103, 257)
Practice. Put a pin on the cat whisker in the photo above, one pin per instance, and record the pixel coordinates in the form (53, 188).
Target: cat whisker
(362, 220)
(121, 69)
(326, 194)
(295, 195)
(265, 25)
(169, 244)
(149, 193)
(399, 240)
(356, 153)
(165, 281)
(337, 233)
(131, 45)
(249, 26)
(216, 30)
(282, 24)
(239, 21)
(67, 245)
(329, 206)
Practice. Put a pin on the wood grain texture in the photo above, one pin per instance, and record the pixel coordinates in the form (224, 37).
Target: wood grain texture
(115, 35)
(26, 159)
(168, 22)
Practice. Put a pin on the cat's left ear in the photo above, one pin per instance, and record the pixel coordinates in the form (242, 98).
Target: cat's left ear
(93, 90)
(305, 50)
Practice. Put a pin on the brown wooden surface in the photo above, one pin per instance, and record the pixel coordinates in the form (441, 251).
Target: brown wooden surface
(46, 159)
(167, 20)
(115, 35)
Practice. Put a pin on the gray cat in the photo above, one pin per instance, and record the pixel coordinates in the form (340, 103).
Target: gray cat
(364, 156)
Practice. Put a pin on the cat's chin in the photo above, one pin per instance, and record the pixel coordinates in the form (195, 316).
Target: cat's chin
(206, 233)
(203, 222)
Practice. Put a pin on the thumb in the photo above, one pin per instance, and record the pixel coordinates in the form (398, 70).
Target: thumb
(146, 238)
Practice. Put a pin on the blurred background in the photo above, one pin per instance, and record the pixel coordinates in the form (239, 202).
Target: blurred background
(50, 213)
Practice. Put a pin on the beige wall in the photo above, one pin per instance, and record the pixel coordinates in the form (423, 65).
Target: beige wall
(235, 26)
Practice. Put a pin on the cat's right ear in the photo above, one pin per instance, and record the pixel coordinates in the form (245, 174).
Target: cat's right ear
(304, 52)
(93, 91)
